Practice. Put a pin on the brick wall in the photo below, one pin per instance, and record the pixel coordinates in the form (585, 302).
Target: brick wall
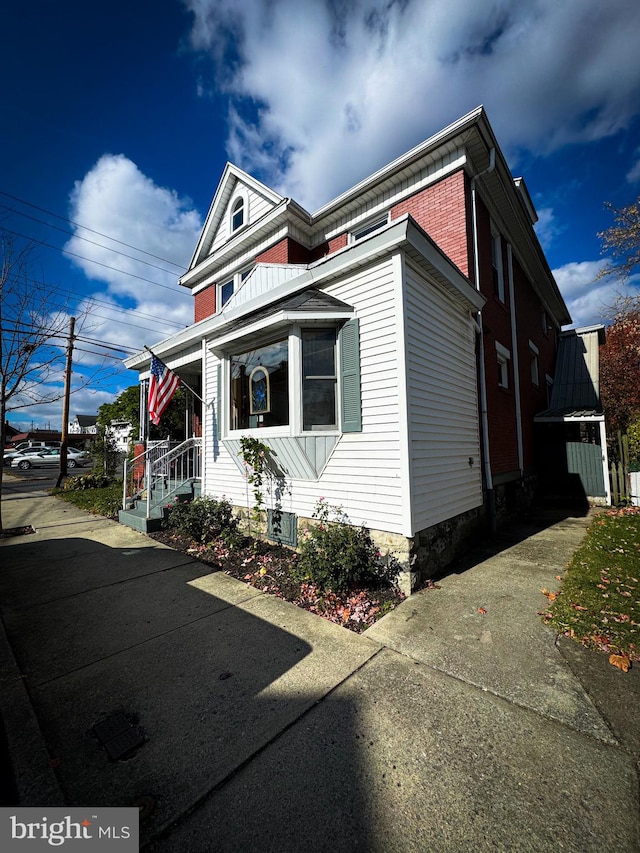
(529, 324)
(287, 251)
(442, 210)
(204, 304)
(328, 247)
(496, 325)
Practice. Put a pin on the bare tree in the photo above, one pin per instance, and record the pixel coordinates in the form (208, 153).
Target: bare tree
(33, 332)
(622, 241)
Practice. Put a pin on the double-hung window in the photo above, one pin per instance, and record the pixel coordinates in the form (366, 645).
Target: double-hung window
(319, 379)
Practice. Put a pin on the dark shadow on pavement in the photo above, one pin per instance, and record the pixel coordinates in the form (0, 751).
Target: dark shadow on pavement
(186, 657)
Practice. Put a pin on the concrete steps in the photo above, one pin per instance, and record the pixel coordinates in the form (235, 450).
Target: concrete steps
(135, 517)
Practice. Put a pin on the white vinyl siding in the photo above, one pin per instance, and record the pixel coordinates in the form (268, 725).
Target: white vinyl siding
(256, 207)
(443, 405)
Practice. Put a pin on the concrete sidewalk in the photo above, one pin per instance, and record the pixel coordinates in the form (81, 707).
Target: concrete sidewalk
(268, 728)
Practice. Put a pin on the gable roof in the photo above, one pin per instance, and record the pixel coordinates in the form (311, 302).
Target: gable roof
(232, 179)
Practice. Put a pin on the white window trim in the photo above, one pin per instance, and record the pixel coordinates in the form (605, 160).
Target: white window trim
(240, 193)
(535, 367)
(237, 279)
(504, 356)
(369, 226)
(294, 427)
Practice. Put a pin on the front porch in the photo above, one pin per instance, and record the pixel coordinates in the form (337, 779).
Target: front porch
(155, 478)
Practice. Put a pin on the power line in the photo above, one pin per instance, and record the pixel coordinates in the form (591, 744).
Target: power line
(89, 260)
(57, 289)
(86, 239)
(91, 230)
(57, 333)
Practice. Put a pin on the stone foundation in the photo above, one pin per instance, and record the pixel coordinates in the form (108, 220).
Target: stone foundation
(431, 550)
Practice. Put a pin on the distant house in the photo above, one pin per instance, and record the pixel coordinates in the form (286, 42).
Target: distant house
(573, 440)
(84, 425)
(391, 349)
(120, 433)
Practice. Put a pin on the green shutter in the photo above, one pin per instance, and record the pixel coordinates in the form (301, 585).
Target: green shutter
(349, 341)
(218, 431)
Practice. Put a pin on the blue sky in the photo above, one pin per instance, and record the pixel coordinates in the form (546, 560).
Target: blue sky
(121, 116)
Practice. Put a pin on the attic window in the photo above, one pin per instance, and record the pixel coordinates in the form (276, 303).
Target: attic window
(237, 215)
(369, 227)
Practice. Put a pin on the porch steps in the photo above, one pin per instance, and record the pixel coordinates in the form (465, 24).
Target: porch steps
(135, 517)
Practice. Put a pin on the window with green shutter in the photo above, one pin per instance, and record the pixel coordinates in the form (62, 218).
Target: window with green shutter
(349, 343)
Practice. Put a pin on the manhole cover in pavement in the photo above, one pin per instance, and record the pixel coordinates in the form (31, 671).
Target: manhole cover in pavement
(118, 736)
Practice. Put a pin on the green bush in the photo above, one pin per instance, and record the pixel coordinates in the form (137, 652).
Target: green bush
(88, 481)
(203, 519)
(338, 556)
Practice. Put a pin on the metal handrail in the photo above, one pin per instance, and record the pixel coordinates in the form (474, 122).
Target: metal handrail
(130, 469)
(168, 473)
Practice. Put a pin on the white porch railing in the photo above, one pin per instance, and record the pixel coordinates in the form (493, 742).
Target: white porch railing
(161, 471)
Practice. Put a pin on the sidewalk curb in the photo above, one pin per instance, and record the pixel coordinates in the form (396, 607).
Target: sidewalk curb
(34, 778)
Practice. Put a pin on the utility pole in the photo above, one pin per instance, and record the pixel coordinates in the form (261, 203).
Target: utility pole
(65, 404)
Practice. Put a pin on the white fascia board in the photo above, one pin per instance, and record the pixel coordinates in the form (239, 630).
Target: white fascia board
(557, 419)
(414, 154)
(399, 234)
(232, 244)
(231, 171)
(282, 318)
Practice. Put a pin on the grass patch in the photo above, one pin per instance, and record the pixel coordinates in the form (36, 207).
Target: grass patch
(598, 604)
(104, 501)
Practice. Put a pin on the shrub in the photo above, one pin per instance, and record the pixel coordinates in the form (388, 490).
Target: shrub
(203, 519)
(88, 481)
(336, 555)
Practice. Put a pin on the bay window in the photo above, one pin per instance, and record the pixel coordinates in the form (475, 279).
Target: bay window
(305, 380)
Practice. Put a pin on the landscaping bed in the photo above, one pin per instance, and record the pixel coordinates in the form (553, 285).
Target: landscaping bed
(268, 567)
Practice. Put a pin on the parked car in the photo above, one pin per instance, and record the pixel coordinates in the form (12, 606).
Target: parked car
(36, 446)
(51, 459)
(10, 454)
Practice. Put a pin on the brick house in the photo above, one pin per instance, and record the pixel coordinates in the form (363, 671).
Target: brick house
(391, 349)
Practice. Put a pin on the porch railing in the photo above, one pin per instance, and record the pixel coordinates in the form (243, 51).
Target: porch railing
(161, 472)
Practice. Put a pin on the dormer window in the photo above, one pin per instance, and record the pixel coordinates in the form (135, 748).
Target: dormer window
(237, 215)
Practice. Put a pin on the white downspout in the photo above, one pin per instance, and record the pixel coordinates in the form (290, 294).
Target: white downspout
(516, 360)
(484, 420)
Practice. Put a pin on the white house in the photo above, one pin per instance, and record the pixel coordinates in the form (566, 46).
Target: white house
(387, 348)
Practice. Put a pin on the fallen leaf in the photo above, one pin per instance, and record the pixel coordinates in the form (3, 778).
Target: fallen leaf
(481, 610)
(621, 661)
(550, 595)
(578, 607)
(558, 577)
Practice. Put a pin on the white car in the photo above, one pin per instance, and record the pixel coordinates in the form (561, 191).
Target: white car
(51, 459)
(10, 455)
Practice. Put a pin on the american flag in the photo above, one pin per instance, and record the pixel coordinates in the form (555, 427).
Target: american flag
(162, 386)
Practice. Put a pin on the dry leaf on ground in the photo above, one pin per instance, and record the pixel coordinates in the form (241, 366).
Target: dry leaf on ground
(620, 661)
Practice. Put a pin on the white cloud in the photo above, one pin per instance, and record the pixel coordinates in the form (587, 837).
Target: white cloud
(114, 198)
(322, 93)
(589, 299)
(633, 175)
(547, 227)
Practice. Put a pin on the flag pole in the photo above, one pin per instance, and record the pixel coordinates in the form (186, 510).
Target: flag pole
(188, 387)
